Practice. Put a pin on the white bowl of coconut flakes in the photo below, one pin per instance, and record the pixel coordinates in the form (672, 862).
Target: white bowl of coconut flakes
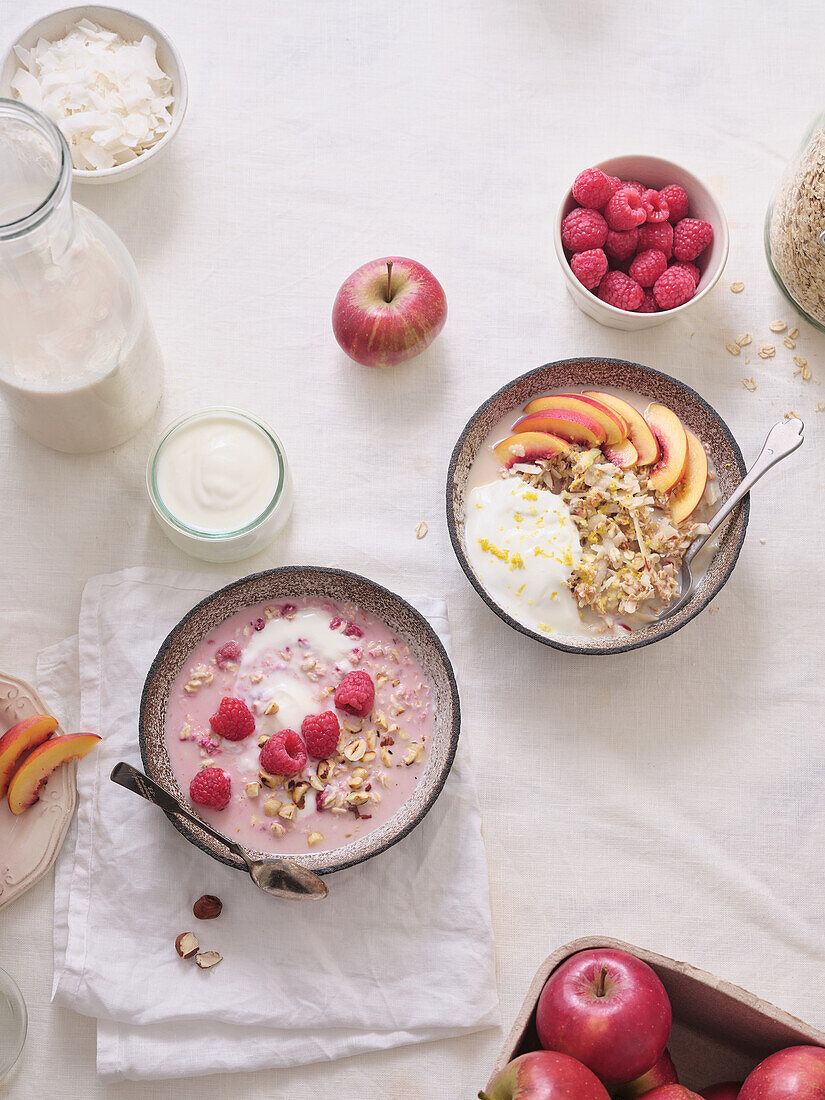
(112, 81)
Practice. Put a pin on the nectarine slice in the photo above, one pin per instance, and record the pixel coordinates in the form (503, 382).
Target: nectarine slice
(690, 490)
(25, 785)
(528, 446)
(638, 431)
(26, 735)
(672, 440)
(624, 454)
(573, 426)
(615, 426)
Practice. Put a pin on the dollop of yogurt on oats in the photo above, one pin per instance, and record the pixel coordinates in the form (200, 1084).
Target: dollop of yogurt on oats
(522, 545)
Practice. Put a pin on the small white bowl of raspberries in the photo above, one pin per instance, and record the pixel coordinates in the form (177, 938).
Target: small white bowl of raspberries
(639, 240)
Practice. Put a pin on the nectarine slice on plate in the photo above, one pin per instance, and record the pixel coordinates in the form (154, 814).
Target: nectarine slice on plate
(615, 426)
(575, 427)
(638, 431)
(690, 490)
(26, 735)
(672, 440)
(24, 789)
(624, 454)
(527, 447)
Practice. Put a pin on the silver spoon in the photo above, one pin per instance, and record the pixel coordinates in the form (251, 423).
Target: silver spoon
(783, 439)
(279, 877)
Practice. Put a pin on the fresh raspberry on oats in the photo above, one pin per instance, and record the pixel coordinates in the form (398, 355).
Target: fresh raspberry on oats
(321, 733)
(211, 787)
(355, 694)
(284, 753)
(352, 630)
(228, 654)
(233, 719)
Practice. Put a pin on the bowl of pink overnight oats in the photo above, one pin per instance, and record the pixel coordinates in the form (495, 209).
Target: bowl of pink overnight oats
(304, 712)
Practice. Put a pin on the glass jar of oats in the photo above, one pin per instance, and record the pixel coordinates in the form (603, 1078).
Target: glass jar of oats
(795, 228)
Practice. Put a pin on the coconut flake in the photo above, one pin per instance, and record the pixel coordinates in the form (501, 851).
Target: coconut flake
(111, 98)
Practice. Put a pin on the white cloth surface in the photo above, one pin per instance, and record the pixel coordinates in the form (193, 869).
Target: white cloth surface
(671, 797)
(401, 951)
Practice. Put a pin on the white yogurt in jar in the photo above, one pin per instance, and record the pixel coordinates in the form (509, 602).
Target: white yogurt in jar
(220, 485)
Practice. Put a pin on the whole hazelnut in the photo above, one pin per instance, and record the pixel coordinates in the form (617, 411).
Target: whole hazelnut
(207, 907)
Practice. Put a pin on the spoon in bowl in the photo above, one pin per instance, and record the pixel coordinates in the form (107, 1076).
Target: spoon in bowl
(783, 439)
(280, 877)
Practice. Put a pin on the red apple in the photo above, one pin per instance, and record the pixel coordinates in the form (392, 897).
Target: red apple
(729, 1090)
(607, 1009)
(672, 1092)
(388, 311)
(663, 1073)
(545, 1075)
(796, 1073)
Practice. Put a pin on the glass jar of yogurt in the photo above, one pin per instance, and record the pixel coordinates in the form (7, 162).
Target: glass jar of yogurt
(80, 368)
(220, 484)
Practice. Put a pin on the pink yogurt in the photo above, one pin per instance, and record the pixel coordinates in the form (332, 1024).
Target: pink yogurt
(295, 655)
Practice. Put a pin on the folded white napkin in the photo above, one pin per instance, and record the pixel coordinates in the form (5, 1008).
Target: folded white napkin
(400, 952)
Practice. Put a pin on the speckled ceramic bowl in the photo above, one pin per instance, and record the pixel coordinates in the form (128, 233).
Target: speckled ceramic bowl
(596, 374)
(284, 584)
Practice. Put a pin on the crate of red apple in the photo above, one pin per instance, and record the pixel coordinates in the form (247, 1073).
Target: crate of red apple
(603, 1019)
(634, 247)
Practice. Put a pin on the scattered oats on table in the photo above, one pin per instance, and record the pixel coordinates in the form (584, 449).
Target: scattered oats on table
(777, 326)
(749, 384)
(793, 333)
(767, 351)
(820, 407)
(789, 343)
(734, 349)
(421, 530)
(790, 414)
(737, 287)
(743, 340)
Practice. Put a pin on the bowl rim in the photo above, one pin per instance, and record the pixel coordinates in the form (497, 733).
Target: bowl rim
(666, 314)
(83, 175)
(452, 526)
(455, 729)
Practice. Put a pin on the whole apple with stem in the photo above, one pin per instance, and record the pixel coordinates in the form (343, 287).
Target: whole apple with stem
(663, 1073)
(545, 1075)
(795, 1073)
(388, 311)
(607, 1009)
(727, 1090)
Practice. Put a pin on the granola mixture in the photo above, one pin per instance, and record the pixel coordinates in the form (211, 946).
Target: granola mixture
(631, 550)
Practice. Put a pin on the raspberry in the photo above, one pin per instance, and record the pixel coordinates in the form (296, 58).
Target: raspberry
(228, 654)
(640, 187)
(258, 624)
(211, 787)
(690, 238)
(321, 733)
(287, 609)
(233, 719)
(677, 201)
(648, 266)
(622, 244)
(352, 630)
(284, 753)
(674, 288)
(691, 269)
(625, 209)
(648, 303)
(655, 207)
(582, 230)
(617, 289)
(335, 623)
(355, 694)
(589, 267)
(592, 188)
(659, 235)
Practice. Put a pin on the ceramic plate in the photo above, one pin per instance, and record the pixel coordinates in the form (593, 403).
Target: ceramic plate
(595, 374)
(30, 842)
(288, 583)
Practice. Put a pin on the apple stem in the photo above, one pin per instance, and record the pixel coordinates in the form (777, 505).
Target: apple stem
(601, 981)
(389, 280)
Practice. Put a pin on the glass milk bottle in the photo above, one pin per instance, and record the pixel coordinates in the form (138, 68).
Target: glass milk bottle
(80, 368)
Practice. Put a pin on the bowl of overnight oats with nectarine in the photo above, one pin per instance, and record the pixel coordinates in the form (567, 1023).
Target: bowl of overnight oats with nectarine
(574, 493)
(317, 722)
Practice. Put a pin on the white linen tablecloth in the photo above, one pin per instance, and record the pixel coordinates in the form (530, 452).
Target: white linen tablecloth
(671, 796)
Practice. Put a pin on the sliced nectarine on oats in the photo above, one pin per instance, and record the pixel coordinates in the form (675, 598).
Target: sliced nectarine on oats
(529, 446)
(27, 781)
(615, 426)
(690, 490)
(624, 454)
(638, 431)
(20, 739)
(575, 427)
(672, 440)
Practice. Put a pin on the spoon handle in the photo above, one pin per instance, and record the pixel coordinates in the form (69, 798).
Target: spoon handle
(136, 781)
(783, 439)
